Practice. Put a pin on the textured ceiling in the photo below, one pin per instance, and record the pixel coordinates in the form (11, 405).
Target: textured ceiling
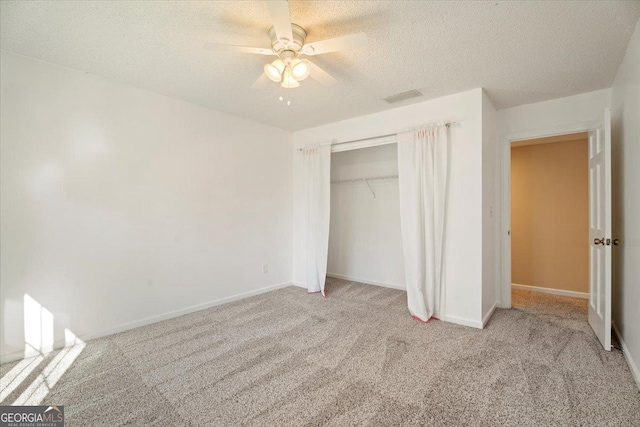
(520, 52)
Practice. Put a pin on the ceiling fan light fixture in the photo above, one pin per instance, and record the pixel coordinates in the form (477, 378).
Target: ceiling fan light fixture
(288, 81)
(300, 69)
(274, 70)
(288, 42)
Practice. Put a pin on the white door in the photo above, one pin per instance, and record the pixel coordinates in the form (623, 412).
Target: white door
(600, 230)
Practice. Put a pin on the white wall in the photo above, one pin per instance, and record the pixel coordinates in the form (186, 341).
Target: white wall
(463, 265)
(553, 114)
(625, 103)
(119, 205)
(365, 241)
(490, 189)
(534, 120)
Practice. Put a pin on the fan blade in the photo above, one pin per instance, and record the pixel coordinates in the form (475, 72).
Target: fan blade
(321, 76)
(352, 41)
(281, 18)
(262, 81)
(243, 49)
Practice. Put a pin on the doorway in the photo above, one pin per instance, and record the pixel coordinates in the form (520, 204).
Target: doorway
(600, 240)
(550, 216)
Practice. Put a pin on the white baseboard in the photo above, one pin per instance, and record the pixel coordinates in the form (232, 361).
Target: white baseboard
(625, 350)
(462, 321)
(573, 294)
(367, 281)
(299, 284)
(489, 314)
(18, 355)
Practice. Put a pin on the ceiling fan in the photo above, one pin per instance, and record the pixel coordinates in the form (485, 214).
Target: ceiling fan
(288, 44)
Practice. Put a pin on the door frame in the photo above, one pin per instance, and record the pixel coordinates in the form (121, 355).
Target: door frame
(505, 194)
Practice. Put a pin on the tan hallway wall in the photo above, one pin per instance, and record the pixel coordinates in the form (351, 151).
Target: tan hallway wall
(549, 215)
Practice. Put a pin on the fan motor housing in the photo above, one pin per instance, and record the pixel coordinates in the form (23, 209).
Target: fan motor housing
(299, 37)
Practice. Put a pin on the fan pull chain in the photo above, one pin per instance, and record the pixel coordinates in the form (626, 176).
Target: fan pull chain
(281, 98)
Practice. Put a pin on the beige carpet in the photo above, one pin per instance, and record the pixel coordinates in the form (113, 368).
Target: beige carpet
(354, 358)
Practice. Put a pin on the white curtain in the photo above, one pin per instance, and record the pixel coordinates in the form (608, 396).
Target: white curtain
(422, 167)
(317, 184)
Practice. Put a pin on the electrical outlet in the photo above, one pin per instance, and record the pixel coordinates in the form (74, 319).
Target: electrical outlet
(265, 268)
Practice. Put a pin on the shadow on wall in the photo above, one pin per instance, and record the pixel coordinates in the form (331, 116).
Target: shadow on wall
(505, 98)
(39, 341)
(618, 219)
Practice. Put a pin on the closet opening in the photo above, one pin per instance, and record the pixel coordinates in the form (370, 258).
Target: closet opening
(365, 238)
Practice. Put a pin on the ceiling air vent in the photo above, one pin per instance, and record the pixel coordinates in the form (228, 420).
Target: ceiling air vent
(402, 96)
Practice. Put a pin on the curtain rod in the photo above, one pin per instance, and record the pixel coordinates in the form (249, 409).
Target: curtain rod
(447, 124)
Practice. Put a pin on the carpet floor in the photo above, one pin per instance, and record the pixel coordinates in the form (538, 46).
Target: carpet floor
(287, 358)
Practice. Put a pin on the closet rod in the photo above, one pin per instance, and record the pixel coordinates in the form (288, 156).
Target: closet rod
(370, 178)
(448, 124)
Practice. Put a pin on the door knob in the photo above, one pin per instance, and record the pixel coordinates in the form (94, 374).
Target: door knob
(616, 242)
(597, 241)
